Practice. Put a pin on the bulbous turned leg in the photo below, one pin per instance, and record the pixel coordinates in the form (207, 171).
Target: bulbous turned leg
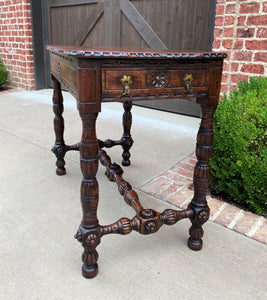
(201, 178)
(126, 139)
(90, 239)
(89, 231)
(201, 215)
(59, 148)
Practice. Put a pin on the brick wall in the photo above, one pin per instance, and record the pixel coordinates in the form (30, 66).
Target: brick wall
(241, 31)
(16, 42)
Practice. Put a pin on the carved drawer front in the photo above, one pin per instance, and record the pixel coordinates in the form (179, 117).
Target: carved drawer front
(64, 68)
(134, 81)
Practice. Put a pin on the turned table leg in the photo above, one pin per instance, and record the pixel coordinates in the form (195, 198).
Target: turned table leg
(89, 231)
(201, 178)
(126, 139)
(59, 148)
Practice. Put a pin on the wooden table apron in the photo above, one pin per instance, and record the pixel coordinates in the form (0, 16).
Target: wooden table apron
(95, 76)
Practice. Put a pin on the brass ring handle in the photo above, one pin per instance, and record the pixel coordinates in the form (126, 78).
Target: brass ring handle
(188, 79)
(126, 82)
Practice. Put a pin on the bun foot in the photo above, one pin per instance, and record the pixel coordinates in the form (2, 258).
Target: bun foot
(194, 244)
(126, 163)
(90, 272)
(60, 171)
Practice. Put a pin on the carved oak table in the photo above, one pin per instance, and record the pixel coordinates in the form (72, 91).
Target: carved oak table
(99, 75)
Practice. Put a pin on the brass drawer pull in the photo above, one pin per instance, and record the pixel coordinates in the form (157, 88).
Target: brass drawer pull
(126, 82)
(188, 79)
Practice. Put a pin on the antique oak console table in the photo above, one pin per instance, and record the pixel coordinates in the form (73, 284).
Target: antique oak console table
(99, 75)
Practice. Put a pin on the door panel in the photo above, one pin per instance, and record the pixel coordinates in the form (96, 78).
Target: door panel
(164, 24)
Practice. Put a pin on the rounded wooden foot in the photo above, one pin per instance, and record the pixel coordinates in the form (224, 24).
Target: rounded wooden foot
(126, 163)
(194, 244)
(89, 272)
(60, 171)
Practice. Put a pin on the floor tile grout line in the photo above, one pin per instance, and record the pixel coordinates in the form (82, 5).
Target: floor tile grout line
(236, 218)
(254, 229)
(218, 212)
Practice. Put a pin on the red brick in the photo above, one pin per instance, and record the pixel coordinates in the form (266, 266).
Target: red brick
(218, 21)
(193, 156)
(167, 191)
(217, 32)
(242, 55)
(246, 223)
(229, 20)
(248, 8)
(261, 32)
(184, 170)
(183, 195)
(252, 68)
(238, 44)
(241, 21)
(225, 65)
(261, 233)
(230, 9)
(214, 205)
(174, 177)
(30, 76)
(228, 32)
(216, 44)
(219, 10)
(233, 87)
(245, 33)
(235, 78)
(191, 161)
(187, 166)
(11, 7)
(224, 88)
(224, 77)
(186, 173)
(256, 45)
(234, 67)
(227, 215)
(261, 56)
(257, 20)
(27, 14)
(227, 44)
(154, 186)
(264, 9)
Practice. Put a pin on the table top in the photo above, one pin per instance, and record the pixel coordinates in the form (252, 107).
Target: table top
(108, 52)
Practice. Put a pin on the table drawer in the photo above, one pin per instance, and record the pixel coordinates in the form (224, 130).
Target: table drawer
(64, 69)
(156, 80)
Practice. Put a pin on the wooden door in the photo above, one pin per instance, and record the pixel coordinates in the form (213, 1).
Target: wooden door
(163, 24)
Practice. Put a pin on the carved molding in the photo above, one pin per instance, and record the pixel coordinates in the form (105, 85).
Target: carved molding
(157, 78)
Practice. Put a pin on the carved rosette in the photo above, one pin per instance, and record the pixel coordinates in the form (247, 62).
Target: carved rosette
(89, 238)
(158, 79)
(151, 227)
(203, 216)
(148, 213)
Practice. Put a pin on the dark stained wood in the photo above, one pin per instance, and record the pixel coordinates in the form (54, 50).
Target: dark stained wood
(58, 3)
(183, 24)
(132, 52)
(89, 231)
(59, 148)
(134, 75)
(126, 139)
(93, 18)
(112, 23)
(141, 26)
